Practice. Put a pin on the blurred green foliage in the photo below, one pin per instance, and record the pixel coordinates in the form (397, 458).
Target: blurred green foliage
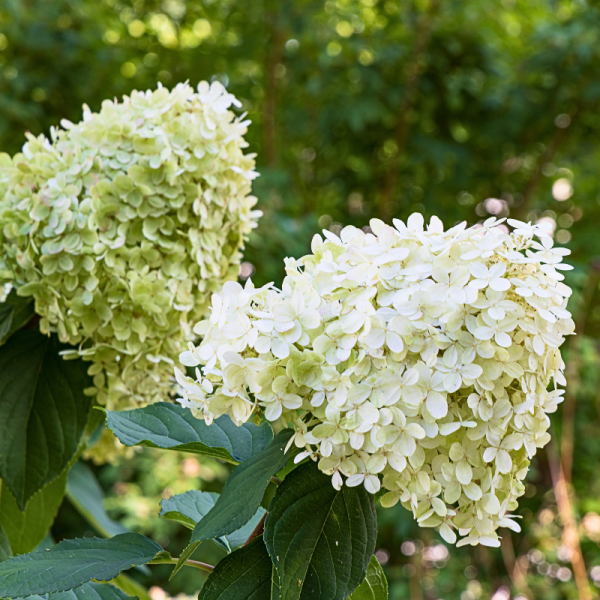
(360, 109)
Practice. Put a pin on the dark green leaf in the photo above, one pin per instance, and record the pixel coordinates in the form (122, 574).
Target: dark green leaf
(43, 412)
(88, 591)
(243, 575)
(73, 563)
(192, 506)
(241, 495)
(14, 313)
(26, 529)
(171, 426)
(239, 537)
(375, 585)
(85, 493)
(243, 491)
(275, 589)
(320, 539)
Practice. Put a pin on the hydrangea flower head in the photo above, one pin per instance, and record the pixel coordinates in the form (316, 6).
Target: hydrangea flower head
(409, 358)
(123, 225)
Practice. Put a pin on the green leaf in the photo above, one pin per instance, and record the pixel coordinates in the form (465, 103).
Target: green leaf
(73, 563)
(5, 549)
(88, 591)
(243, 575)
(183, 557)
(192, 506)
(241, 496)
(320, 539)
(26, 529)
(43, 412)
(14, 313)
(275, 589)
(188, 508)
(86, 495)
(130, 586)
(173, 427)
(243, 491)
(375, 585)
(239, 537)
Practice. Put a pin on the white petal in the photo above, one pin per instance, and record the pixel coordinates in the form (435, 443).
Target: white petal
(447, 534)
(372, 484)
(499, 284)
(397, 462)
(394, 341)
(355, 480)
(437, 405)
(464, 473)
(503, 339)
(503, 461)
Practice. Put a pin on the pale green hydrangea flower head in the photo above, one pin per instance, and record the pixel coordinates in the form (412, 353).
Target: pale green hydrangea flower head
(411, 359)
(123, 225)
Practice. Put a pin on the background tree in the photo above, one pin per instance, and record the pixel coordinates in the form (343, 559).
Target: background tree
(365, 108)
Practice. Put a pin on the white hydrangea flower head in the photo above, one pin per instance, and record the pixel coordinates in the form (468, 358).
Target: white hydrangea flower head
(411, 359)
(123, 225)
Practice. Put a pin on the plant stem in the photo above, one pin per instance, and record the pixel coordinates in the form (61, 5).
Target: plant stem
(554, 145)
(573, 368)
(258, 530)
(514, 568)
(416, 67)
(188, 563)
(275, 55)
(570, 537)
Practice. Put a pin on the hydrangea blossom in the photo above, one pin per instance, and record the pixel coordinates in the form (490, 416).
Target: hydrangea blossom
(123, 225)
(411, 359)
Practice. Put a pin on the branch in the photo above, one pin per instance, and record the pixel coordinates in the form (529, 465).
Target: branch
(558, 139)
(414, 582)
(33, 323)
(570, 537)
(573, 368)
(514, 568)
(270, 106)
(258, 530)
(163, 560)
(415, 70)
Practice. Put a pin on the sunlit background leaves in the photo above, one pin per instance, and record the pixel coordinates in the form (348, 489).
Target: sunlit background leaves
(360, 109)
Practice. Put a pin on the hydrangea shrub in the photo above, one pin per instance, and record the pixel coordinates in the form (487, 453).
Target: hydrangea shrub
(123, 225)
(411, 359)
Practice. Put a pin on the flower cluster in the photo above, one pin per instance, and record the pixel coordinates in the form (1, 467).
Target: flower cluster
(413, 359)
(123, 225)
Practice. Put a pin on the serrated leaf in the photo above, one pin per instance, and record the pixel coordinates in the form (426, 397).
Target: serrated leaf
(86, 495)
(243, 575)
(73, 563)
(320, 539)
(26, 529)
(243, 491)
(43, 412)
(375, 585)
(241, 496)
(192, 506)
(173, 427)
(14, 313)
(88, 591)
(183, 557)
